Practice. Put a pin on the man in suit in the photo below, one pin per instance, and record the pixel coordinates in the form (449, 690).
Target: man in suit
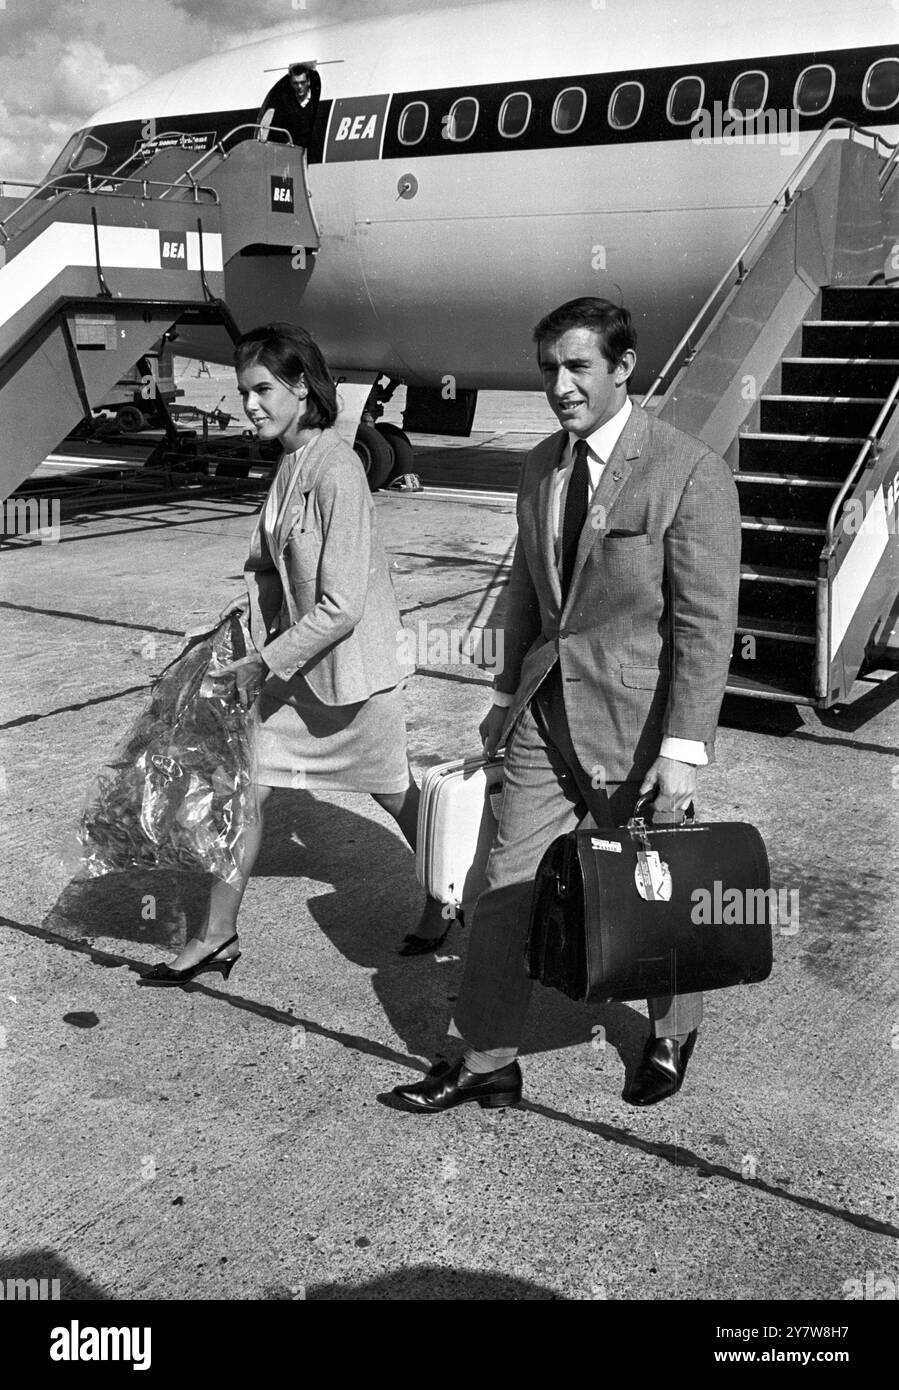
(621, 612)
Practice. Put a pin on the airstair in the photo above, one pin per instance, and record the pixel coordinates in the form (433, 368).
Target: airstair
(95, 269)
(791, 372)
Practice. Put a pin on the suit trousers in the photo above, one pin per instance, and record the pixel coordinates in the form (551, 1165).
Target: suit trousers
(546, 793)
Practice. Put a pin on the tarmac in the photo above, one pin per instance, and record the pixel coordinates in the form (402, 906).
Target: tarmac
(232, 1140)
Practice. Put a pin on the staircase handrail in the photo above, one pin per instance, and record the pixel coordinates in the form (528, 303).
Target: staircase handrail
(837, 125)
(871, 441)
(220, 145)
(89, 188)
(889, 169)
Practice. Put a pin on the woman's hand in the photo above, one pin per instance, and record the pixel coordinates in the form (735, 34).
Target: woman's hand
(248, 674)
(237, 605)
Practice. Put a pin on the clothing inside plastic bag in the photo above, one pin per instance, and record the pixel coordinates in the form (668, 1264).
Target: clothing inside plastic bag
(181, 786)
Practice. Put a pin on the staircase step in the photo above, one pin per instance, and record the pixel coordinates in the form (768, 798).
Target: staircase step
(825, 376)
(776, 600)
(787, 497)
(782, 544)
(792, 690)
(805, 454)
(778, 630)
(773, 656)
(859, 302)
(834, 415)
(765, 523)
(770, 574)
(786, 480)
(850, 338)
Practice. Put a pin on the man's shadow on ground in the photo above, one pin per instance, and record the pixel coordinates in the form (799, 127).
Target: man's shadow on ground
(372, 901)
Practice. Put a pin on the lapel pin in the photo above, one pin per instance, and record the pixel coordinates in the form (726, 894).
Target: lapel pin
(616, 476)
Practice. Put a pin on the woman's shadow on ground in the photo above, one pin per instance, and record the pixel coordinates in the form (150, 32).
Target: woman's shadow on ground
(372, 901)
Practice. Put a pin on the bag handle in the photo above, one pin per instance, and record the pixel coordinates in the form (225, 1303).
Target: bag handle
(650, 796)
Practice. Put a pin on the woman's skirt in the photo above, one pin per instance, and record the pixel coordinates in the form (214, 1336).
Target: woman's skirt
(307, 745)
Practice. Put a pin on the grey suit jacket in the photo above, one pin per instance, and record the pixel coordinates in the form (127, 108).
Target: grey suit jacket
(323, 602)
(644, 639)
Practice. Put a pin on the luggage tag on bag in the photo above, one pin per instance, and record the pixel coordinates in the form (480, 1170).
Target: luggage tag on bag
(652, 876)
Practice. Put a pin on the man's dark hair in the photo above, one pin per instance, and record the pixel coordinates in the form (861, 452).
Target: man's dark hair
(610, 322)
(289, 352)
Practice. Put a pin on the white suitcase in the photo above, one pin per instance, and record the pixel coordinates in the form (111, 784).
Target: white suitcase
(457, 819)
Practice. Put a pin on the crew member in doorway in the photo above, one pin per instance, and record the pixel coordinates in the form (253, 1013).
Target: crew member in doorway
(291, 105)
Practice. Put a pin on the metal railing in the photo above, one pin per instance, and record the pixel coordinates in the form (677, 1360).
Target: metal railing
(219, 148)
(155, 146)
(704, 321)
(94, 190)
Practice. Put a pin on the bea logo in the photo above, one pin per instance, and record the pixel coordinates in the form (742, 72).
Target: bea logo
(357, 128)
(173, 250)
(282, 194)
(353, 133)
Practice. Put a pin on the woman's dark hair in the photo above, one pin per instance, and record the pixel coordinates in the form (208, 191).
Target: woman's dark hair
(610, 322)
(289, 352)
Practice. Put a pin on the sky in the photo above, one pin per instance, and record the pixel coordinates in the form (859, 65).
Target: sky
(61, 60)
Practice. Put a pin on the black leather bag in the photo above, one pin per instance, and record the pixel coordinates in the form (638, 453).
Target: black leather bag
(610, 921)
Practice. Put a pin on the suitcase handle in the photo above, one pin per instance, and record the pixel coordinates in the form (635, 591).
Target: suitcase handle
(689, 813)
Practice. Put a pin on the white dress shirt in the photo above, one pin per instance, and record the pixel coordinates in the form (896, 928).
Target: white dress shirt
(599, 450)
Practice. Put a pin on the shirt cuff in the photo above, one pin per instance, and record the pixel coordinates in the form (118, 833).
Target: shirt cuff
(684, 750)
(503, 699)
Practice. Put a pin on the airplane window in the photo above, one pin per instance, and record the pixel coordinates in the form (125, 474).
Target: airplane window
(91, 151)
(515, 114)
(814, 89)
(61, 162)
(881, 89)
(569, 110)
(625, 105)
(685, 100)
(748, 94)
(462, 119)
(413, 123)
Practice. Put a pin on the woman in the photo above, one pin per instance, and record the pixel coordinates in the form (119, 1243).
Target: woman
(324, 623)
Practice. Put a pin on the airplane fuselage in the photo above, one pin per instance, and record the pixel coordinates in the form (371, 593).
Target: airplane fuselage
(472, 168)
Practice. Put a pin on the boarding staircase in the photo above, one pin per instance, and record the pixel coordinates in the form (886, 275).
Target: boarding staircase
(96, 268)
(791, 372)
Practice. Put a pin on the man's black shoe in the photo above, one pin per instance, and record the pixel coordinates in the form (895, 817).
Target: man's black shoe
(448, 1087)
(661, 1071)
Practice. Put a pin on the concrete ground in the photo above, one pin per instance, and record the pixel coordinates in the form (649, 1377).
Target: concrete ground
(227, 1139)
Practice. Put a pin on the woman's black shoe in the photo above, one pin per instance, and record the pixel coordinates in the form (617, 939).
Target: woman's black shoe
(416, 945)
(421, 945)
(163, 974)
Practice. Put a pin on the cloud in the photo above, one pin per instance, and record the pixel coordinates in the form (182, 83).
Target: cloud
(37, 117)
(228, 18)
(28, 153)
(19, 34)
(84, 80)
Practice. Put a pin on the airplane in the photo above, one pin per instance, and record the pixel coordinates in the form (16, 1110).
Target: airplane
(472, 167)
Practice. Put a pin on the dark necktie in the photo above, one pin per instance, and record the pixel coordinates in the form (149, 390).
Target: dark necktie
(575, 513)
